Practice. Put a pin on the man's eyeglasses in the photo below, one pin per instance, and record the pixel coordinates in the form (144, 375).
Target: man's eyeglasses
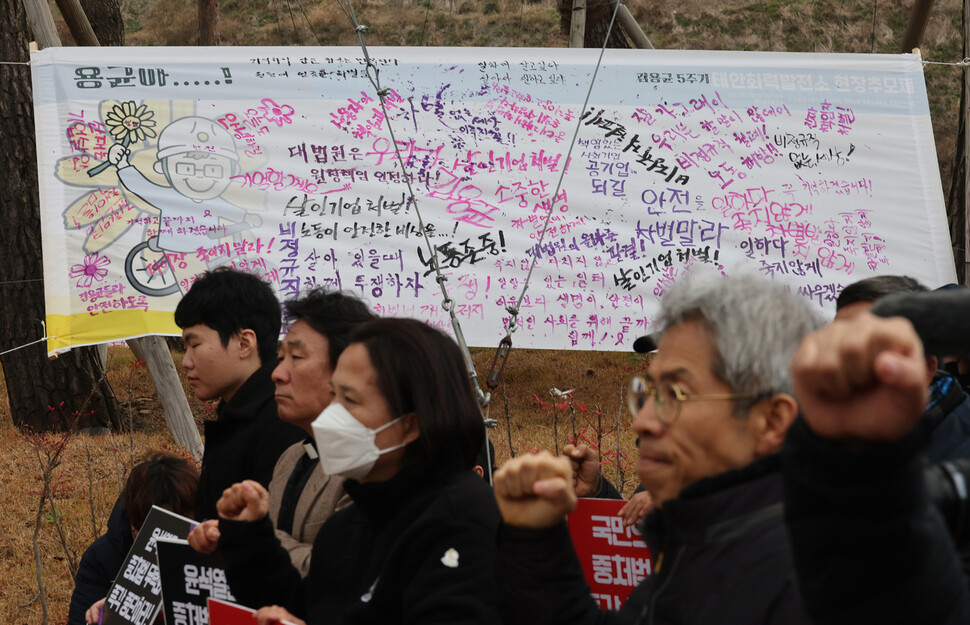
(668, 398)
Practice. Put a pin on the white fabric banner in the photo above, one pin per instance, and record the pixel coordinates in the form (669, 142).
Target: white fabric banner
(815, 170)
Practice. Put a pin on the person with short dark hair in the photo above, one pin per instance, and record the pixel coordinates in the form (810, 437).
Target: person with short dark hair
(418, 543)
(228, 302)
(711, 415)
(957, 364)
(301, 495)
(160, 480)
(946, 416)
(859, 296)
(230, 324)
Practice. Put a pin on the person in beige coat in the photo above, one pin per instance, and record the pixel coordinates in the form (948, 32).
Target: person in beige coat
(320, 497)
(301, 496)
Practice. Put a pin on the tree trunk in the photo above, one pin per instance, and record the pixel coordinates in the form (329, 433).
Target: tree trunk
(957, 203)
(106, 20)
(44, 394)
(598, 22)
(956, 207)
(208, 22)
(598, 16)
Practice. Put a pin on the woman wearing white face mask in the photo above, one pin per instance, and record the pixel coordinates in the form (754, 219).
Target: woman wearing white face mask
(418, 544)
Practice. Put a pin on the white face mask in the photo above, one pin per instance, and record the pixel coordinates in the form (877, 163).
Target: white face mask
(346, 446)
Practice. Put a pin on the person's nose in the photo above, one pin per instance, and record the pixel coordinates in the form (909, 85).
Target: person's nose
(647, 423)
(280, 373)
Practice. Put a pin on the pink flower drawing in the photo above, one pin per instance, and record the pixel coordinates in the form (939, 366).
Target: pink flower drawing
(278, 114)
(92, 268)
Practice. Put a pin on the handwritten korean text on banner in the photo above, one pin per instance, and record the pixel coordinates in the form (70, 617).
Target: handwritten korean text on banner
(814, 170)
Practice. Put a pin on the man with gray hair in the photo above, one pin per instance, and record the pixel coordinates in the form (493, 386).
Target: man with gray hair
(710, 415)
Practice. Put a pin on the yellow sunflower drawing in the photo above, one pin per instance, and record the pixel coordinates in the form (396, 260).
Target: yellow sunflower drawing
(128, 124)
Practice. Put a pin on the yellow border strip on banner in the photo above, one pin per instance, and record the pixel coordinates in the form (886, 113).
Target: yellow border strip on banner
(67, 331)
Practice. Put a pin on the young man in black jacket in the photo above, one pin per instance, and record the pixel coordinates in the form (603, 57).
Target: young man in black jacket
(230, 324)
(710, 416)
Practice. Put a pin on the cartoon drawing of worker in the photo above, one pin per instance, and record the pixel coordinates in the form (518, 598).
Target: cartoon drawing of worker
(198, 158)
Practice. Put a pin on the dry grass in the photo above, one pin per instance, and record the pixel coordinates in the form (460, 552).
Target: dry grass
(88, 478)
(597, 405)
(93, 468)
(309, 22)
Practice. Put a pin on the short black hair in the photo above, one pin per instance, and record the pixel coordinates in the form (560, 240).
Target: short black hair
(871, 289)
(230, 301)
(330, 313)
(420, 370)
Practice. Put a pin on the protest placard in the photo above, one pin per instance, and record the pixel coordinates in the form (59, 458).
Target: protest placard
(135, 595)
(189, 578)
(614, 557)
(226, 613)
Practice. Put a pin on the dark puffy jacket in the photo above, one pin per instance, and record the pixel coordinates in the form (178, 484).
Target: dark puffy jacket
(721, 556)
(100, 564)
(406, 551)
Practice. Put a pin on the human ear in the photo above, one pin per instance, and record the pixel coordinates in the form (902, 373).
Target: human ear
(412, 429)
(774, 416)
(248, 345)
(159, 168)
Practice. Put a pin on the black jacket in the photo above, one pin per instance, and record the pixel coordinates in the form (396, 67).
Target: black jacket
(721, 556)
(244, 442)
(100, 564)
(406, 551)
(868, 545)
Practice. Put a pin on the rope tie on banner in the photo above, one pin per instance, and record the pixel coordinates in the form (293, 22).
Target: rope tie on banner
(505, 345)
(45, 338)
(964, 63)
(43, 326)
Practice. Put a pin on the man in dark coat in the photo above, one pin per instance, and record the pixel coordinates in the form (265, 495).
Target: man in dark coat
(231, 326)
(946, 415)
(869, 546)
(710, 417)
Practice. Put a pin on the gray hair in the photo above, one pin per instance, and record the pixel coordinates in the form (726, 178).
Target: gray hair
(756, 326)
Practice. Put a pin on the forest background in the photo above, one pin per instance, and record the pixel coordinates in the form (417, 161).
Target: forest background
(58, 489)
